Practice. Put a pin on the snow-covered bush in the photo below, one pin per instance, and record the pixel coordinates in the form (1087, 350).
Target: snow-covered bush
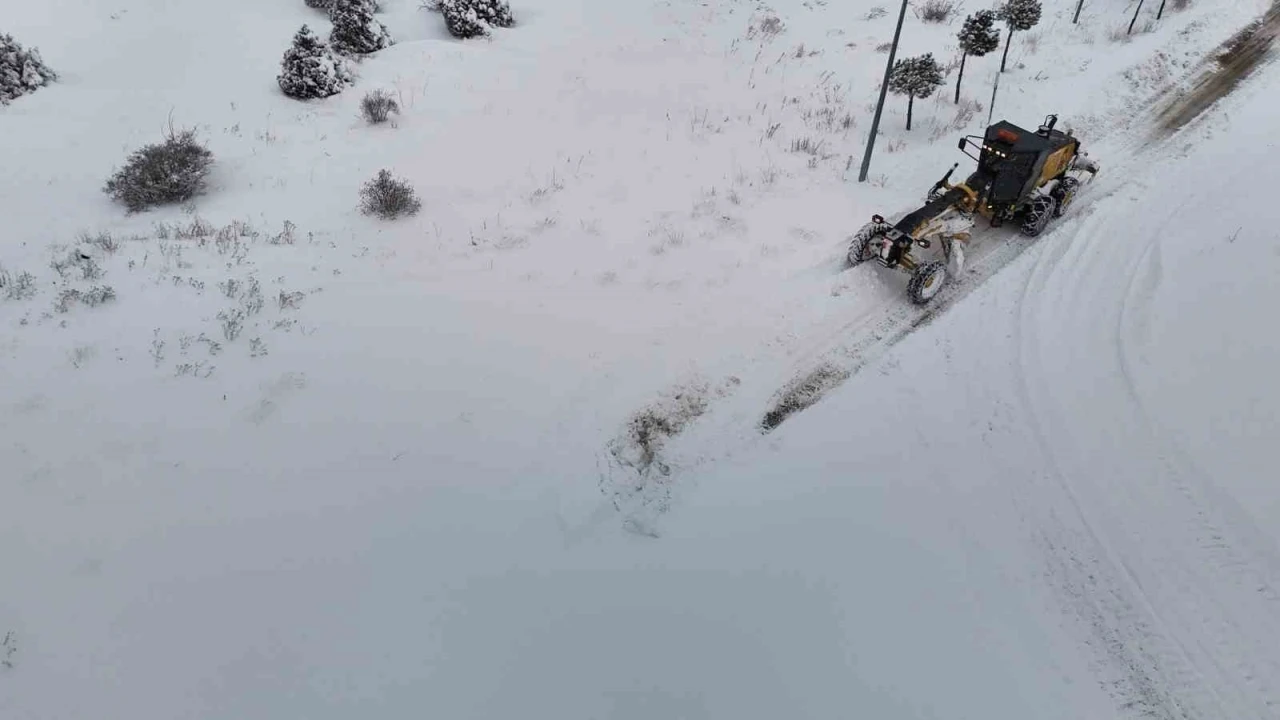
(1018, 15)
(171, 171)
(473, 18)
(937, 11)
(21, 71)
(377, 106)
(327, 5)
(17, 287)
(355, 30)
(388, 197)
(915, 77)
(104, 242)
(93, 297)
(977, 37)
(310, 69)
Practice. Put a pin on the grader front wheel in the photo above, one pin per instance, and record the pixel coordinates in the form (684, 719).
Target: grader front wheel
(860, 244)
(926, 282)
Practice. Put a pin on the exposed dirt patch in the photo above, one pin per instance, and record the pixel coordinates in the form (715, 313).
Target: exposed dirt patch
(802, 393)
(642, 488)
(1233, 61)
(649, 429)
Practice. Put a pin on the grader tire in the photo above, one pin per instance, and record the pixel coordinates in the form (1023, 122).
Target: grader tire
(860, 244)
(927, 282)
(1064, 194)
(1038, 217)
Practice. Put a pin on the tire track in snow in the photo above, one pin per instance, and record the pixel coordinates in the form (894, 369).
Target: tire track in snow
(1187, 611)
(1133, 663)
(1139, 589)
(1235, 551)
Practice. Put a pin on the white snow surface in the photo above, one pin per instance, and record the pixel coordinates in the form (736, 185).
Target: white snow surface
(392, 493)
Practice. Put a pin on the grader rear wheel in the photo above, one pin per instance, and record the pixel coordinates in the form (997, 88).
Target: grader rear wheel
(1038, 217)
(1064, 194)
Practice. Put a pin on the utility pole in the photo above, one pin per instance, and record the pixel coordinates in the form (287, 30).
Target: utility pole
(884, 89)
(1135, 17)
(991, 111)
(1076, 20)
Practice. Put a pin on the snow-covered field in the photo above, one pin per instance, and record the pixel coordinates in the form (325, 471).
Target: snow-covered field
(310, 464)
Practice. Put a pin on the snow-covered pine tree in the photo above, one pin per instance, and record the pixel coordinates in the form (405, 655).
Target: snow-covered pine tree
(310, 69)
(355, 30)
(21, 71)
(1018, 15)
(473, 18)
(373, 5)
(977, 38)
(320, 4)
(915, 77)
(495, 12)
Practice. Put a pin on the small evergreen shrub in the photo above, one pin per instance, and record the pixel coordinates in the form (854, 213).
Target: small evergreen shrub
(978, 37)
(355, 30)
(1017, 15)
(915, 77)
(474, 18)
(310, 70)
(21, 71)
(373, 5)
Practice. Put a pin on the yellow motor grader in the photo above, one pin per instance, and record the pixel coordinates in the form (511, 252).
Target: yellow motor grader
(1022, 176)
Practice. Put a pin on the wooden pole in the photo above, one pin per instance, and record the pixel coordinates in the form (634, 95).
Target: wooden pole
(884, 89)
(992, 110)
(1005, 58)
(1135, 16)
(964, 56)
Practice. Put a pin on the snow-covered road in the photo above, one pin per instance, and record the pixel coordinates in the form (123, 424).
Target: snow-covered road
(1143, 378)
(1115, 388)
